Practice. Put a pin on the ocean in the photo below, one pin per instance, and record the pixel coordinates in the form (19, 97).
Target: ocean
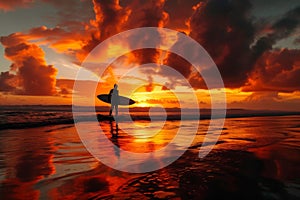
(43, 156)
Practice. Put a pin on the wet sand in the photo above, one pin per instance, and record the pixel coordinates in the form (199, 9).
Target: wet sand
(255, 158)
(223, 174)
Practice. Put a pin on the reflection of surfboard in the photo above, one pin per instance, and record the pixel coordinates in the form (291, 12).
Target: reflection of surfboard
(122, 100)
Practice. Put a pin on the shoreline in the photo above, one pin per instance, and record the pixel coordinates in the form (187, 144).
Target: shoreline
(103, 118)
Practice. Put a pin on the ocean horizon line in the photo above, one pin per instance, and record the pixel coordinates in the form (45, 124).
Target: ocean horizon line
(18, 117)
(134, 108)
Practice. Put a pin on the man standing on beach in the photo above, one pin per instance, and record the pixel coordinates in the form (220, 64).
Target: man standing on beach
(114, 99)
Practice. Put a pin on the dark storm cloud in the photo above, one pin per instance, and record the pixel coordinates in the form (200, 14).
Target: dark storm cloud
(144, 56)
(5, 79)
(277, 70)
(179, 13)
(224, 29)
(179, 64)
(281, 29)
(147, 14)
(110, 17)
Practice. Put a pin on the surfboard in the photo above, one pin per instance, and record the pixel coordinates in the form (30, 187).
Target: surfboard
(122, 100)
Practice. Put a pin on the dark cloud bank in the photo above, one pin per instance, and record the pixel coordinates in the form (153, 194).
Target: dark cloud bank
(240, 46)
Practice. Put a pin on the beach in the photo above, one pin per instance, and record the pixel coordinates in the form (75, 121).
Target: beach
(160, 99)
(254, 158)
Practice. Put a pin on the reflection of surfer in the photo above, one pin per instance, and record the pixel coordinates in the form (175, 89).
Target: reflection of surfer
(114, 138)
(114, 99)
(114, 132)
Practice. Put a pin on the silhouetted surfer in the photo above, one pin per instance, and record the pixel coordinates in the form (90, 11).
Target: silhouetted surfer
(114, 99)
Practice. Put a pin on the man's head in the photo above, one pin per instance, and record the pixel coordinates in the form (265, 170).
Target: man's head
(115, 86)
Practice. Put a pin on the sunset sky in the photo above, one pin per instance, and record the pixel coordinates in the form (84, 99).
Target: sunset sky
(254, 43)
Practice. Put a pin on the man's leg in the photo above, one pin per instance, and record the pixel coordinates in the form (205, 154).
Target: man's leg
(116, 109)
(111, 108)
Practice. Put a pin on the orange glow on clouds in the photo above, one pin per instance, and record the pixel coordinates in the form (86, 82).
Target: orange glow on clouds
(252, 72)
(164, 98)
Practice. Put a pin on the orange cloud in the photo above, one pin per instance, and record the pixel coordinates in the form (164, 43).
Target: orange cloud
(31, 73)
(277, 70)
(112, 18)
(242, 50)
